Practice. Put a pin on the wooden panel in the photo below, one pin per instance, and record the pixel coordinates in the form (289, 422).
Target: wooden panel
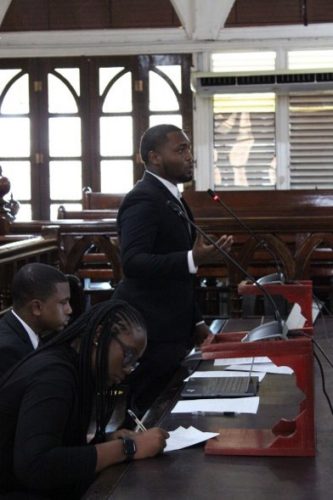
(261, 12)
(96, 200)
(143, 14)
(319, 11)
(93, 214)
(79, 14)
(262, 203)
(293, 228)
(295, 225)
(21, 18)
(33, 15)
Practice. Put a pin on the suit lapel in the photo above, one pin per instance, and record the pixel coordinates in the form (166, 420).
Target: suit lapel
(150, 179)
(16, 326)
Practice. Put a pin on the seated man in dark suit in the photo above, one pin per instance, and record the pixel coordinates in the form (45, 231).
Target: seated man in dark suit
(40, 296)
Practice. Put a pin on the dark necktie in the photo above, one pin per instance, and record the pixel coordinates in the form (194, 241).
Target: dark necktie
(186, 212)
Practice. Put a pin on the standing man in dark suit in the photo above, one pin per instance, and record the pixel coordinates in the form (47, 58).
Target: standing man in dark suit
(160, 255)
(40, 295)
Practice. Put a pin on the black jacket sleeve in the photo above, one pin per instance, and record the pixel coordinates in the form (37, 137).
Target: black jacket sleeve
(44, 457)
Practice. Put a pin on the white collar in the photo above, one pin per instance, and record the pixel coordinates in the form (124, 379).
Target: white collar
(171, 187)
(32, 335)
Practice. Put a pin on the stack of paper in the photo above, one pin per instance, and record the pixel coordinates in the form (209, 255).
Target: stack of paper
(182, 438)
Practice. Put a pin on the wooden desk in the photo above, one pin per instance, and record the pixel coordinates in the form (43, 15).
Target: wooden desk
(189, 474)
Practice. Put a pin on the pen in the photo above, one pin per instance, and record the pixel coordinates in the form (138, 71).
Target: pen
(136, 420)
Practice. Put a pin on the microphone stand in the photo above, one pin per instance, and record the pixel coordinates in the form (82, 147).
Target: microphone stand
(270, 278)
(272, 329)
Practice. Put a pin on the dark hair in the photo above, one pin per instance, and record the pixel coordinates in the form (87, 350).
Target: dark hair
(105, 314)
(35, 281)
(154, 137)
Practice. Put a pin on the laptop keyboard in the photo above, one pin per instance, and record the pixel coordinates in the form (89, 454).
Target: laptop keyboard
(220, 387)
(228, 384)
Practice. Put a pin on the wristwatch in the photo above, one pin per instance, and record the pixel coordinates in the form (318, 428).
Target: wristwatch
(129, 448)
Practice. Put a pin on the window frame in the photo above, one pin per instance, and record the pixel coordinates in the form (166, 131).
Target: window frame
(203, 114)
(89, 112)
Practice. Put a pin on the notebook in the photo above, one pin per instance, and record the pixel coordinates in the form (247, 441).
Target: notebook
(220, 387)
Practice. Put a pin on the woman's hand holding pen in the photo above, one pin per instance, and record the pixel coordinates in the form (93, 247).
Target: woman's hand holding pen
(150, 443)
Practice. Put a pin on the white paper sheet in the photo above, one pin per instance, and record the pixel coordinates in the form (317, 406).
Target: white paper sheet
(224, 373)
(241, 361)
(295, 320)
(182, 438)
(262, 367)
(257, 364)
(236, 405)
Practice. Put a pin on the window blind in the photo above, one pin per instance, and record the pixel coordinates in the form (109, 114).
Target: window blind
(244, 141)
(311, 140)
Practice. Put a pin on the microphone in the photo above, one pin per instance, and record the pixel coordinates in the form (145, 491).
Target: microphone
(273, 329)
(277, 277)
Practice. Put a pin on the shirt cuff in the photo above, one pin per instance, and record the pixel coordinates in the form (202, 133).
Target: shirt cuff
(191, 266)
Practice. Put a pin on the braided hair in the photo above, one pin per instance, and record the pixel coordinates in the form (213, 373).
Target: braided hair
(104, 315)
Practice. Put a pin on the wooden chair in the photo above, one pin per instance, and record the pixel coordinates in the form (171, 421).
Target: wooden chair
(94, 200)
(95, 260)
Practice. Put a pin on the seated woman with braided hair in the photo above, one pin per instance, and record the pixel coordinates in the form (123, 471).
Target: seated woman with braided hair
(47, 401)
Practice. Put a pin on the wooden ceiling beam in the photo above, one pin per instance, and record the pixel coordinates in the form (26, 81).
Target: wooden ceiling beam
(4, 5)
(202, 20)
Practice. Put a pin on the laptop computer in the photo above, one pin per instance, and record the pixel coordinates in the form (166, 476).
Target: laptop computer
(221, 387)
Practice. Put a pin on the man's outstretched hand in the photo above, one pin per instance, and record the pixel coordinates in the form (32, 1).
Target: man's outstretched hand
(206, 253)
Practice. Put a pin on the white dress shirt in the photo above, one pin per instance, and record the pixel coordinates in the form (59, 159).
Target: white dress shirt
(32, 335)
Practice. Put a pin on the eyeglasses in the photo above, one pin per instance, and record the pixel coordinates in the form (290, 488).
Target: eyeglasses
(130, 355)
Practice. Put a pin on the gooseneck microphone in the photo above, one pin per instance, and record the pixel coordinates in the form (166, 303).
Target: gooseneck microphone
(272, 329)
(270, 278)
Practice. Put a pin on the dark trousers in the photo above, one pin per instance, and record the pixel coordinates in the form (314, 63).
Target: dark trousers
(157, 366)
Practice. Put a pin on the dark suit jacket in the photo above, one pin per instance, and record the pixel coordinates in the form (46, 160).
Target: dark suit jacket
(15, 342)
(154, 242)
(41, 447)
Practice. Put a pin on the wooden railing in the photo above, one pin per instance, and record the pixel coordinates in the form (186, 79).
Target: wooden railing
(294, 228)
(86, 248)
(14, 254)
(86, 214)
